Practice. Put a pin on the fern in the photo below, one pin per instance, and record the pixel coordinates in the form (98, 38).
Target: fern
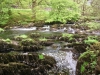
(83, 66)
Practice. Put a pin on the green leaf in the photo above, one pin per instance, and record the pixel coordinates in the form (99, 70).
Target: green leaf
(41, 56)
(93, 64)
(82, 68)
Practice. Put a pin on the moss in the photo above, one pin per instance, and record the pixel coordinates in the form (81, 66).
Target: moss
(20, 64)
(35, 35)
(88, 62)
(7, 40)
(23, 36)
(20, 37)
(42, 39)
(67, 35)
(27, 41)
(2, 30)
(13, 53)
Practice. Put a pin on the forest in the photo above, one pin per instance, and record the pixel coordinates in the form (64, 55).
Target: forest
(49, 37)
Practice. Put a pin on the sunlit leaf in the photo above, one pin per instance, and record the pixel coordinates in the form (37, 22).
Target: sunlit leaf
(41, 56)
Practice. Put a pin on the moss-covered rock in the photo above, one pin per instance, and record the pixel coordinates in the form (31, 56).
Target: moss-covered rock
(6, 45)
(30, 45)
(1, 30)
(86, 63)
(35, 35)
(89, 61)
(20, 37)
(25, 64)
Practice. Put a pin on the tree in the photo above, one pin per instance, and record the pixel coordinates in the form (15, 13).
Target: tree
(96, 7)
(84, 6)
(5, 12)
(63, 11)
(35, 4)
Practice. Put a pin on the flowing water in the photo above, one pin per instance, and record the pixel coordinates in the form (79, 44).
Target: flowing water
(66, 65)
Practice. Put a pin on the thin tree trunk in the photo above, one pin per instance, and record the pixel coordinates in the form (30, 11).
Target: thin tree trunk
(34, 4)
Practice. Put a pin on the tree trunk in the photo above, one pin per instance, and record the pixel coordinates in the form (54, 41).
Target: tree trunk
(34, 4)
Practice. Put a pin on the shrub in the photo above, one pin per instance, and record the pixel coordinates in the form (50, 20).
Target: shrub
(63, 11)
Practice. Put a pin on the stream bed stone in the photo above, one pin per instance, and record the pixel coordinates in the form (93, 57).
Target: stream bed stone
(60, 59)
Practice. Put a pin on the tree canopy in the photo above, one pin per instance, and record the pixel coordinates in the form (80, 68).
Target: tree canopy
(50, 10)
(63, 10)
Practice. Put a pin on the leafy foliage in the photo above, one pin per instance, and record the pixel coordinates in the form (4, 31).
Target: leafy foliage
(41, 56)
(5, 12)
(95, 5)
(91, 40)
(41, 15)
(21, 16)
(63, 11)
(89, 63)
(93, 25)
(83, 66)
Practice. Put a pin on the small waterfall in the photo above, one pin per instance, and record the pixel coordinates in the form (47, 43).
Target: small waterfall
(46, 28)
(71, 30)
(64, 59)
(72, 63)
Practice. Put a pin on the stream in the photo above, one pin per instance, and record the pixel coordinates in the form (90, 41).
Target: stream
(66, 65)
(65, 50)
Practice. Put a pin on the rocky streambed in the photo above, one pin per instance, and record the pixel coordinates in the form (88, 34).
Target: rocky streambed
(25, 64)
(49, 51)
